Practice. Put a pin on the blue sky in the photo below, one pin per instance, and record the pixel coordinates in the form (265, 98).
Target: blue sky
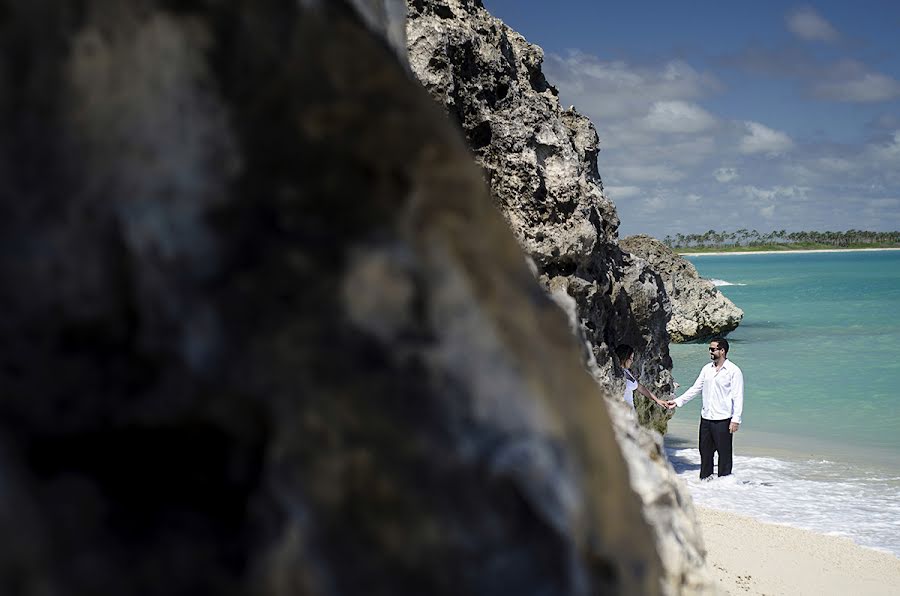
(725, 115)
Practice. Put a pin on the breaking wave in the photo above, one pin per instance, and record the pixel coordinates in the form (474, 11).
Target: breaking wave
(722, 282)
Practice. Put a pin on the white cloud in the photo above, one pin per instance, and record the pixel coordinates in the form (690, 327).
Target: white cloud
(766, 195)
(759, 194)
(662, 151)
(835, 165)
(630, 143)
(621, 192)
(613, 89)
(724, 175)
(762, 139)
(884, 122)
(678, 117)
(888, 203)
(852, 81)
(885, 157)
(646, 173)
(653, 204)
(800, 172)
(864, 88)
(879, 210)
(764, 202)
(623, 133)
(808, 25)
(688, 151)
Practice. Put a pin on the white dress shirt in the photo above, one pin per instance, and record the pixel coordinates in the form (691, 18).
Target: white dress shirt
(723, 392)
(630, 385)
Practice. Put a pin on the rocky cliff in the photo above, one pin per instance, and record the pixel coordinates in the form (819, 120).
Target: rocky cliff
(699, 309)
(541, 165)
(540, 162)
(263, 331)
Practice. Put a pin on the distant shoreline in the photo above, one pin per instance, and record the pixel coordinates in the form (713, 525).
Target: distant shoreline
(778, 252)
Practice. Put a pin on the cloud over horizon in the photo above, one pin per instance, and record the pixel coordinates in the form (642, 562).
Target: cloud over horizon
(809, 25)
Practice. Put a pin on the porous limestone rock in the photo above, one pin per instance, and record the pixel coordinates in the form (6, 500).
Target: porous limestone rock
(540, 162)
(699, 309)
(263, 331)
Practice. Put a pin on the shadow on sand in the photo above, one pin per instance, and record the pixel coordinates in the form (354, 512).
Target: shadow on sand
(681, 464)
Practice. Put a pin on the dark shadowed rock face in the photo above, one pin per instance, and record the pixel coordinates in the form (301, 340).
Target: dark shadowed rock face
(540, 162)
(263, 331)
(699, 309)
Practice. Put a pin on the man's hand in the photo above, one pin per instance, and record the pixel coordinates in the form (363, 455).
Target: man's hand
(670, 404)
(733, 427)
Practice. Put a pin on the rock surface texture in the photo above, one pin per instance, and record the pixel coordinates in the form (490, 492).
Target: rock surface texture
(699, 309)
(540, 162)
(263, 331)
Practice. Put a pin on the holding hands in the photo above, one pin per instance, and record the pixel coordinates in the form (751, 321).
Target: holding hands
(659, 402)
(651, 395)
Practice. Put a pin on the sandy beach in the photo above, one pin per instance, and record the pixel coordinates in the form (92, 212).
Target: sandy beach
(754, 558)
(781, 252)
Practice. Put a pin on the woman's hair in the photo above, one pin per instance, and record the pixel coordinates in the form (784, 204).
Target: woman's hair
(623, 351)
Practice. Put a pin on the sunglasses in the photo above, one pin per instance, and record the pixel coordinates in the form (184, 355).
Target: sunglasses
(714, 349)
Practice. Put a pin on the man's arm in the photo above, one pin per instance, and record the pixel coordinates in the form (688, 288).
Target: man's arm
(692, 392)
(737, 400)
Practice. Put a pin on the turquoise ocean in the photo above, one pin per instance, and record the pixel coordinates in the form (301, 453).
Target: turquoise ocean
(819, 345)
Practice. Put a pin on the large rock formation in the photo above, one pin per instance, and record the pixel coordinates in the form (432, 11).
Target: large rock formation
(264, 333)
(540, 161)
(699, 309)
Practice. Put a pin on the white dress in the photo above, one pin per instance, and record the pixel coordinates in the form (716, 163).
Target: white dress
(630, 385)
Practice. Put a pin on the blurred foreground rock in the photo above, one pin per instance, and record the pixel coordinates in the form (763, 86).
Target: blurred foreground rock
(264, 333)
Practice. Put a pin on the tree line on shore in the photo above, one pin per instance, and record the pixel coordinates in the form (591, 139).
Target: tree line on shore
(753, 238)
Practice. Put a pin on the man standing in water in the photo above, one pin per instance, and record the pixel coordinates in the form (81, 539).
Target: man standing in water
(722, 385)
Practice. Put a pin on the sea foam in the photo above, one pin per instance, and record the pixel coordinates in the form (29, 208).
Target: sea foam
(823, 496)
(722, 282)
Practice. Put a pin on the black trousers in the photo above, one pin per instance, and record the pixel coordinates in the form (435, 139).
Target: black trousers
(714, 436)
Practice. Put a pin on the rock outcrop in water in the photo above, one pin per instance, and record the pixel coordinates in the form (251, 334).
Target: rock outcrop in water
(540, 162)
(264, 333)
(699, 309)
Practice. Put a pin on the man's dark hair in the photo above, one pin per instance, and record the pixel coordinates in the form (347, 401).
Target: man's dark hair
(623, 351)
(723, 343)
